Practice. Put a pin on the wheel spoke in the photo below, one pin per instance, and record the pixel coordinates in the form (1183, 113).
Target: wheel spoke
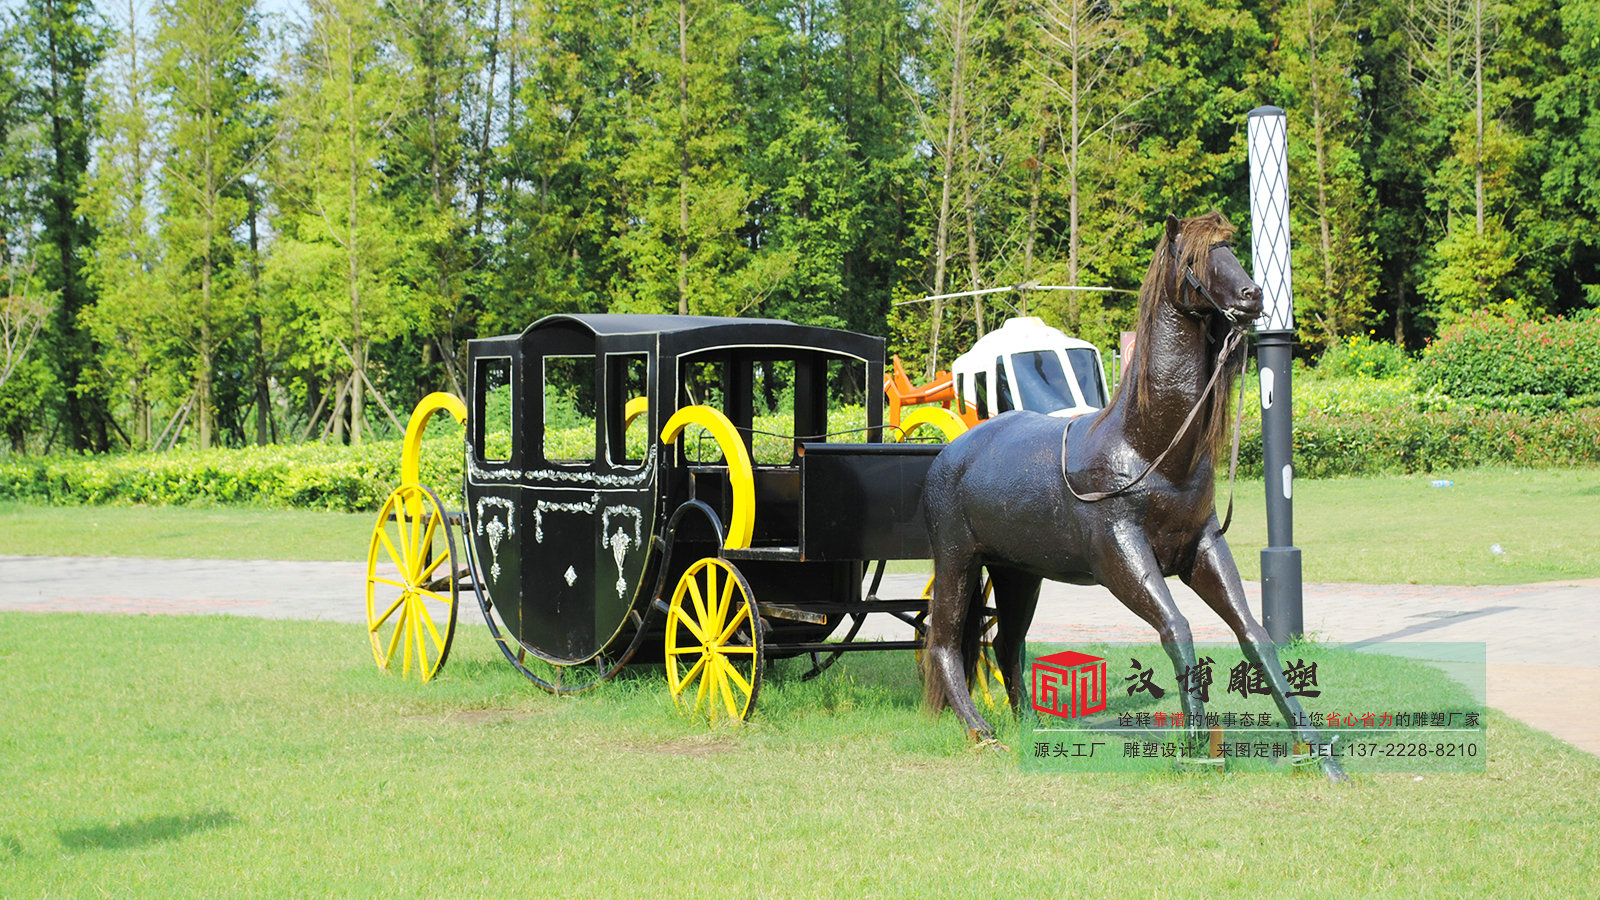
(394, 642)
(431, 596)
(699, 609)
(404, 631)
(682, 618)
(390, 581)
(726, 602)
(738, 678)
(422, 649)
(705, 679)
(427, 535)
(433, 630)
(428, 572)
(694, 670)
(395, 556)
(378, 622)
(736, 648)
(727, 690)
(744, 615)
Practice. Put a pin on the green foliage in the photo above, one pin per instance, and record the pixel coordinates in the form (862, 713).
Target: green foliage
(308, 476)
(1363, 357)
(1490, 358)
(1404, 440)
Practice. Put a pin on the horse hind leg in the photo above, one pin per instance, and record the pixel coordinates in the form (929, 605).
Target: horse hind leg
(1016, 596)
(944, 661)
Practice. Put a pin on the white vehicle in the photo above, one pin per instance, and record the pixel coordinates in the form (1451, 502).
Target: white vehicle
(1026, 364)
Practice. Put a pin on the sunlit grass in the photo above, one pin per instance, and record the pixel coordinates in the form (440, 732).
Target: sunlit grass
(220, 756)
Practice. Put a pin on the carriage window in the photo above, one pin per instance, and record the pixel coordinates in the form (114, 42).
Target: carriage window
(628, 391)
(1040, 381)
(494, 395)
(569, 408)
(980, 384)
(704, 384)
(847, 403)
(772, 401)
(1086, 367)
(1004, 401)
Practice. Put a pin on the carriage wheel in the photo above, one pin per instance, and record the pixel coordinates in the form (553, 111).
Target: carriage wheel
(988, 668)
(411, 585)
(714, 648)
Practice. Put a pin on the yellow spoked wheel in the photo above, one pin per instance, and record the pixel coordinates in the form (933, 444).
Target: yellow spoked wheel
(988, 668)
(713, 645)
(411, 585)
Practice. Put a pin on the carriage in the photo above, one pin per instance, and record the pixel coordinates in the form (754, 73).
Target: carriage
(705, 494)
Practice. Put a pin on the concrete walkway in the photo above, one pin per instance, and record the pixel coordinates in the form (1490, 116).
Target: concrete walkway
(1542, 639)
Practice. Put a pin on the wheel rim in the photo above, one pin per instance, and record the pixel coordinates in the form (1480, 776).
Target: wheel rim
(713, 642)
(411, 584)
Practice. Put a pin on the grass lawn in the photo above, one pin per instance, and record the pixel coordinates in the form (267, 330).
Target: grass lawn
(207, 756)
(1382, 530)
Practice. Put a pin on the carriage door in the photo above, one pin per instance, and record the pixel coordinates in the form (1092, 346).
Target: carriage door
(583, 538)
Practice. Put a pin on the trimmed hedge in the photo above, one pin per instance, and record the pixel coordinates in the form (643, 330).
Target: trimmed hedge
(1337, 435)
(1401, 441)
(305, 476)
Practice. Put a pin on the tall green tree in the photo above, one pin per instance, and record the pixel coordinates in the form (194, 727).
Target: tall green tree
(210, 50)
(1335, 271)
(121, 204)
(64, 41)
(344, 245)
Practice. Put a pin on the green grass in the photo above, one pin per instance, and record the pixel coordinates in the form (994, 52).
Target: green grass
(201, 756)
(1399, 529)
(1381, 530)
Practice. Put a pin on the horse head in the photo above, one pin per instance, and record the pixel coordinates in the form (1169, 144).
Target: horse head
(1206, 277)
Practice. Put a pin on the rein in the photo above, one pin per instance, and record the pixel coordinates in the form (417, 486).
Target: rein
(1235, 335)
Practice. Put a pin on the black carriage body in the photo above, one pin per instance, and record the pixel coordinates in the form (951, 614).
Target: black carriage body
(569, 508)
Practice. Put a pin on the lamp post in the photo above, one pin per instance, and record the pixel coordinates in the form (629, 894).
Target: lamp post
(1281, 592)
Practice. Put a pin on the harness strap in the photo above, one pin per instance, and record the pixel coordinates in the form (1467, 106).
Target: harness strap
(1234, 337)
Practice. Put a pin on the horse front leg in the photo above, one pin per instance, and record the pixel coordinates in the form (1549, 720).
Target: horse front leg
(1127, 566)
(1215, 578)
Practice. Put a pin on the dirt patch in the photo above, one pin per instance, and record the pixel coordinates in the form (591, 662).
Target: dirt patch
(696, 746)
(495, 715)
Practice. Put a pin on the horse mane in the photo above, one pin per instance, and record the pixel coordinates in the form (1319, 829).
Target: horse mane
(1197, 235)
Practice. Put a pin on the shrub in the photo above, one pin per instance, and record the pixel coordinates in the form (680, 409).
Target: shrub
(1360, 356)
(1401, 440)
(1504, 362)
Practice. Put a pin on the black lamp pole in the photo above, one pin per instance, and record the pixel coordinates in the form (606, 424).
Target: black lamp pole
(1282, 599)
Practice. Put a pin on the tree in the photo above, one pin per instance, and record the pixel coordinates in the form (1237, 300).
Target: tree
(209, 52)
(343, 244)
(120, 204)
(64, 42)
(1335, 271)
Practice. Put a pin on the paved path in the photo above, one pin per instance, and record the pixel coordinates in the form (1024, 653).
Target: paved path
(1542, 639)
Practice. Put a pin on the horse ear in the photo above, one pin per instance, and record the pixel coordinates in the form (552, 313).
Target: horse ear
(1172, 228)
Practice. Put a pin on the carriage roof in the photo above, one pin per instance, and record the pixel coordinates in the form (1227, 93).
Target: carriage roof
(677, 335)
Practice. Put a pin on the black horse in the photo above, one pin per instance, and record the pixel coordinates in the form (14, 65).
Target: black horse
(1123, 500)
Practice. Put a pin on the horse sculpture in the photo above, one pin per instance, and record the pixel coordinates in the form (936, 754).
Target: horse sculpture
(1123, 500)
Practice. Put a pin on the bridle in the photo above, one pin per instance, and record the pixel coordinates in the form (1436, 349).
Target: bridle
(1234, 316)
(1235, 334)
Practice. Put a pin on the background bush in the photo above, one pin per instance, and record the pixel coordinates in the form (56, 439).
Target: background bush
(1498, 361)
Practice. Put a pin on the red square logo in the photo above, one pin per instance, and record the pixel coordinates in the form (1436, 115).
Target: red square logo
(1069, 684)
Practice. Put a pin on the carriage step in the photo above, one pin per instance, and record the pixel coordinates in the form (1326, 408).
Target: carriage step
(784, 554)
(792, 614)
